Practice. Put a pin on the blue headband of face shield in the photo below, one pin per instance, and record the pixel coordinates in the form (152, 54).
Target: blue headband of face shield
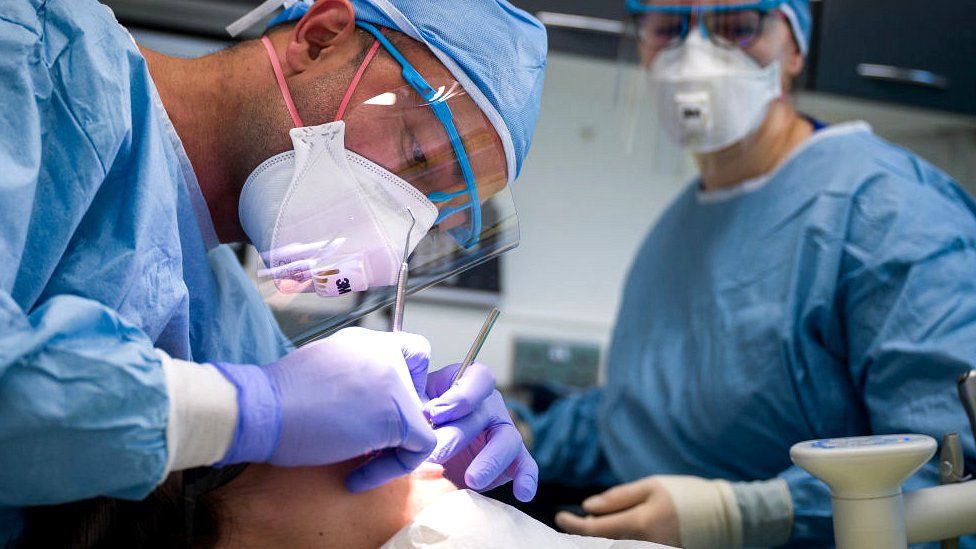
(469, 236)
(796, 11)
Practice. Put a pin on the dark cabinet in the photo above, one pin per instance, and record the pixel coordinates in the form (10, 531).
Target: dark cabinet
(584, 27)
(910, 52)
(901, 51)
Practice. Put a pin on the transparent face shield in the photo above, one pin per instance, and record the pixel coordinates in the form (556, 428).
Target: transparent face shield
(332, 252)
(702, 74)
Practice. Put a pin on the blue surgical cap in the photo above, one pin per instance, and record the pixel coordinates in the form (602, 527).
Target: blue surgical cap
(493, 49)
(798, 12)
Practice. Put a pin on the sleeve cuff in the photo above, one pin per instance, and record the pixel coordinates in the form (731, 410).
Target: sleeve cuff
(767, 512)
(202, 413)
(708, 515)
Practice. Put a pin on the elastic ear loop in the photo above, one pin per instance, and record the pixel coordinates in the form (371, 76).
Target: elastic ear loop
(286, 93)
(282, 85)
(355, 80)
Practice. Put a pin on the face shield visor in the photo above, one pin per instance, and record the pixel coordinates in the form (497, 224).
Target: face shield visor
(707, 70)
(412, 164)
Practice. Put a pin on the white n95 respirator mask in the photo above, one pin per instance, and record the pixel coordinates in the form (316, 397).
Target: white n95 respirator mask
(328, 221)
(709, 97)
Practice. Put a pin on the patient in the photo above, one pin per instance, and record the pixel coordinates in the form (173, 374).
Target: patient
(267, 506)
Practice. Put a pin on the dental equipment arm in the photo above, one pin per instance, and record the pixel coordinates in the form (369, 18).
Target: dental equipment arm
(865, 476)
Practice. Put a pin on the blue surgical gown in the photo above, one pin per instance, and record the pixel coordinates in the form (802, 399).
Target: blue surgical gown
(106, 251)
(837, 298)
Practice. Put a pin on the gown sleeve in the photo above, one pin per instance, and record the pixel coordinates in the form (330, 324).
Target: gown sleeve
(565, 442)
(83, 402)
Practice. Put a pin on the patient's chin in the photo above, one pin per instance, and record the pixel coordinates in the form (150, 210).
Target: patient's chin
(311, 507)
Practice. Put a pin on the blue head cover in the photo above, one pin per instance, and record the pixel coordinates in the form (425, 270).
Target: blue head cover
(798, 12)
(495, 50)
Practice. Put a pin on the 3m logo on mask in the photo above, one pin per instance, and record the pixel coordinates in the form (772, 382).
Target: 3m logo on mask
(691, 113)
(693, 110)
(343, 286)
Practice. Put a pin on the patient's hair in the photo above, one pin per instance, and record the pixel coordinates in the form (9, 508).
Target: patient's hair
(157, 521)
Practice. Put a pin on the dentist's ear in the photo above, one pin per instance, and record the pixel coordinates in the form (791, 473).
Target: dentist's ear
(328, 25)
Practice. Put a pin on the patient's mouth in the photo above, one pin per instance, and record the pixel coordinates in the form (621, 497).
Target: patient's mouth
(429, 471)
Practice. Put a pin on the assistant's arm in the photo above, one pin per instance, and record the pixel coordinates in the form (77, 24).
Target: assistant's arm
(565, 441)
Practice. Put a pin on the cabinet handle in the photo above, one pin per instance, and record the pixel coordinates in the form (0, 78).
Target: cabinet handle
(915, 77)
(580, 22)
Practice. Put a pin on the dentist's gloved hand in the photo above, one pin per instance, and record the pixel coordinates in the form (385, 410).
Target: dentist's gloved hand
(344, 396)
(476, 440)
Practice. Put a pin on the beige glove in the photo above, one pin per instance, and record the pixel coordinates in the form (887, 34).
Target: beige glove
(685, 511)
(642, 510)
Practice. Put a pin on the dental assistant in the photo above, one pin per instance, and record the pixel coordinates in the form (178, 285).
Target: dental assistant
(813, 281)
(132, 343)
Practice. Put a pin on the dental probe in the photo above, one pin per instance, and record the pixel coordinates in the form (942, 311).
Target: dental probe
(477, 344)
(401, 287)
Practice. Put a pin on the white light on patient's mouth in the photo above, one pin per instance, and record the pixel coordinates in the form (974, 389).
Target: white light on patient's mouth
(429, 471)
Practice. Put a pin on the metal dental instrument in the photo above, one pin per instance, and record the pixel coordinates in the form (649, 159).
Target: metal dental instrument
(401, 287)
(950, 472)
(967, 394)
(479, 341)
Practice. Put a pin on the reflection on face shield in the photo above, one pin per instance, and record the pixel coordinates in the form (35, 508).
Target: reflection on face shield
(448, 149)
(329, 217)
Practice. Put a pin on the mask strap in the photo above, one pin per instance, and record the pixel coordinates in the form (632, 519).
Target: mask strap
(282, 85)
(355, 80)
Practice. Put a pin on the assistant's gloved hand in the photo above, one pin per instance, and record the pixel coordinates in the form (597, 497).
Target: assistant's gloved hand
(685, 511)
(641, 510)
(344, 396)
(476, 440)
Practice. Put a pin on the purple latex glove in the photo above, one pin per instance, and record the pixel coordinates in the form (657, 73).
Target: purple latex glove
(477, 442)
(353, 393)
